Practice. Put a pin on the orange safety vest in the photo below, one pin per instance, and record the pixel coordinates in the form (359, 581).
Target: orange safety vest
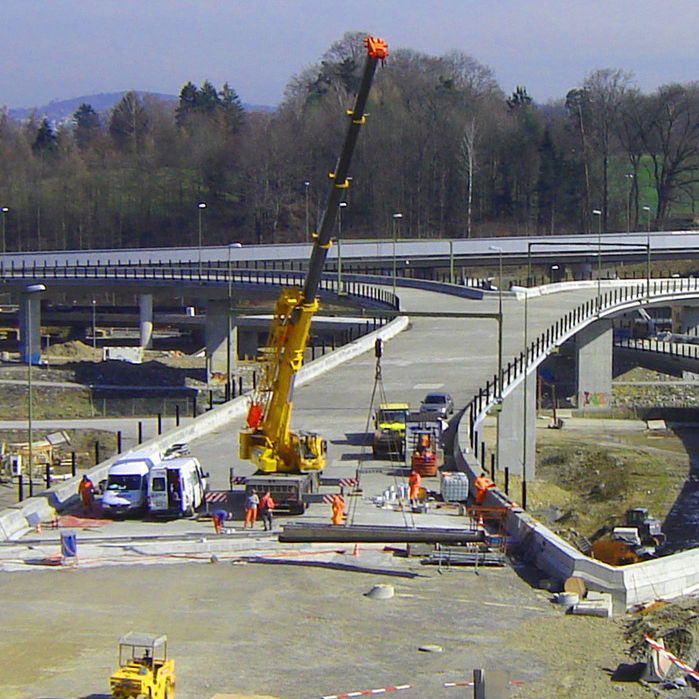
(267, 503)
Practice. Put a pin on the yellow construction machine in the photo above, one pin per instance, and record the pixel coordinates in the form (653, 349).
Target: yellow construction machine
(267, 440)
(144, 669)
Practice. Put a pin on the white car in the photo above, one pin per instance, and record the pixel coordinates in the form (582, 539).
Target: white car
(438, 403)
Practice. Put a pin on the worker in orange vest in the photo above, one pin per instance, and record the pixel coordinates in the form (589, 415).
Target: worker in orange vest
(482, 485)
(338, 507)
(86, 490)
(252, 501)
(266, 506)
(414, 481)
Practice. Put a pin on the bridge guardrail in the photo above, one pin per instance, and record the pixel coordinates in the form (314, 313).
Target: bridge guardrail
(166, 273)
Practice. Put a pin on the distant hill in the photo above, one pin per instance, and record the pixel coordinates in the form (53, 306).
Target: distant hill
(60, 111)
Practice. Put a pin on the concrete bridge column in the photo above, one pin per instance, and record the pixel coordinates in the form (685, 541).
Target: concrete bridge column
(687, 320)
(217, 339)
(30, 328)
(514, 433)
(145, 319)
(594, 365)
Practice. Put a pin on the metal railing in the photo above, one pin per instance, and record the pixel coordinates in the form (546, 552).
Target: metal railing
(190, 273)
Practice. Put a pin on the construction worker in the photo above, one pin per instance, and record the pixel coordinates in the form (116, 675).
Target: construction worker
(251, 504)
(266, 506)
(86, 490)
(414, 482)
(338, 507)
(482, 484)
(218, 517)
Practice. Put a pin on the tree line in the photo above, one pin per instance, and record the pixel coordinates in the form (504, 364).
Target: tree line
(444, 146)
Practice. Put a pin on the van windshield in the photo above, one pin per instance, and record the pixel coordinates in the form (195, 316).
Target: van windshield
(118, 483)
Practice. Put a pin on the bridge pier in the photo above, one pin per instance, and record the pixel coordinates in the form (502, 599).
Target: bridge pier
(145, 320)
(514, 433)
(220, 339)
(686, 320)
(593, 346)
(30, 312)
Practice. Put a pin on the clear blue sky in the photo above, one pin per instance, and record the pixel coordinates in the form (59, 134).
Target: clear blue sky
(58, 49)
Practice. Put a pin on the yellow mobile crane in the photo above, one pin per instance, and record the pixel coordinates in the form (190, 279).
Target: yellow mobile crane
(267, 440)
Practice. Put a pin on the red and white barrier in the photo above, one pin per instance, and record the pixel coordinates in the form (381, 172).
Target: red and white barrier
(673, 658)
(216, 496)
(329, 499)
(380, 690)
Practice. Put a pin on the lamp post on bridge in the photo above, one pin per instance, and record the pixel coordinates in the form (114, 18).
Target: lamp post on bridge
(647, 210)
(499, 393)
(200, 206)
(341, 207)
(29, 292)
(598, 213)
(4, 211)
(396, 219)
(306, 185)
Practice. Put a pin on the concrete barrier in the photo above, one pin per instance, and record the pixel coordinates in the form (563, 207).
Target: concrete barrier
(13, 520)
(660, 578)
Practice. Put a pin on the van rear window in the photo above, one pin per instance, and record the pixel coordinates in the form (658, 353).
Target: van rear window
(158, 484)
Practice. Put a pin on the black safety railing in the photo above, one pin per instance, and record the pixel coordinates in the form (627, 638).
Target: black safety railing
(191, 273)
(671, 348)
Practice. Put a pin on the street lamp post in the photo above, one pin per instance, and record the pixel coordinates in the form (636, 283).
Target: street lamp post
(229, 393)
(201, 206)
(499, 394)
(94, 324)
(647, 210)
(396, 218)
(30, 291)
(306, 185)
(629, 177)
(598, 213)
(4, 211)
(342, 205)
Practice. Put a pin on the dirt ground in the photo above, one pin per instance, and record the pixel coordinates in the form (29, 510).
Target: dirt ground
(304, 630)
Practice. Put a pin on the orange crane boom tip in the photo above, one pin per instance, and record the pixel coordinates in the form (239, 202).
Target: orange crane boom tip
(377, 48)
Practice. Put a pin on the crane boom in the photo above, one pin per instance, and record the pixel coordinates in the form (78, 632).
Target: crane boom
(267, 440)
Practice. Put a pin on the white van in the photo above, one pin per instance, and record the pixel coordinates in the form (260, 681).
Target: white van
(127, 480)
(176, 486)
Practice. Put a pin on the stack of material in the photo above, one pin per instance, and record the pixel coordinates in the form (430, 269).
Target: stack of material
(453, 486)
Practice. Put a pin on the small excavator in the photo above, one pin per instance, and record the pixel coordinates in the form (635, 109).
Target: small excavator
(267, 440)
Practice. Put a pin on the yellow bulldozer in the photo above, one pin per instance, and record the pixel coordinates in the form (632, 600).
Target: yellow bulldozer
(144, 670)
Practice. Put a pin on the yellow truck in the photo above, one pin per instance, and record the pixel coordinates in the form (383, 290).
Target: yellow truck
(144, 670)
(389, 430)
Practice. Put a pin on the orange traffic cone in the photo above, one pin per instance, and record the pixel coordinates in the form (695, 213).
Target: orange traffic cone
(481, 524)
(37, 529)
(355, 552)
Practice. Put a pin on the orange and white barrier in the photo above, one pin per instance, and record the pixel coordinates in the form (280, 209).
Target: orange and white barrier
(366, 692)
(662, 651)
